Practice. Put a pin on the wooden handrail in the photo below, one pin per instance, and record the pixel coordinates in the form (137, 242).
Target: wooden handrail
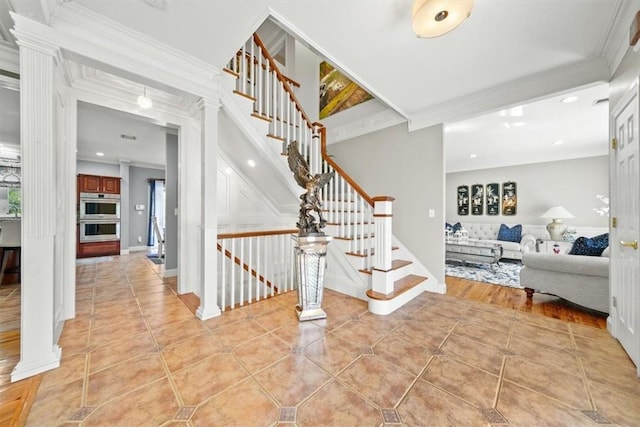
(256, 233)
(334, 165)
(246, 268)
(264, 67)
(282, 78)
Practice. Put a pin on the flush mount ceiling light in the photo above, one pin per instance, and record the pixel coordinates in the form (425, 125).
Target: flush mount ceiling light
(569, 99)
(433, 18)
(143, 101)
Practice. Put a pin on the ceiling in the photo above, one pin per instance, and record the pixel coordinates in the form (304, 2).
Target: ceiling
(506, 54)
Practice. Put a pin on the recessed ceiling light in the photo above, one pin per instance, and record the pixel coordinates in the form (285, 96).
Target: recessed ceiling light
(569, 99)
(558, 142)
(517, 124)
(251, 163)
(473, 156)
(99, 154)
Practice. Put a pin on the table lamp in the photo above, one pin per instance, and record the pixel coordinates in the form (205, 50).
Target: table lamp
(556, 228)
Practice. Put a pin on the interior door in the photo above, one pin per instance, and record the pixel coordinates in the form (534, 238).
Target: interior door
(625, 261)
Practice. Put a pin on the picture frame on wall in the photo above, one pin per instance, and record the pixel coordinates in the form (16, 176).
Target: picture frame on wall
(492, 197)
(463, 200)
(509, 198)
(477, 199)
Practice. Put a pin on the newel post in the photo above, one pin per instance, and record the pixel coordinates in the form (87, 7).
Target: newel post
(383, 216)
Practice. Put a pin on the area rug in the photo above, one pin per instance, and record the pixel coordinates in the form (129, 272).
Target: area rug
(155, 259)
(505, 274)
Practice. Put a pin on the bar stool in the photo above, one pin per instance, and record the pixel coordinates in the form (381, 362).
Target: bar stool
(10, 240)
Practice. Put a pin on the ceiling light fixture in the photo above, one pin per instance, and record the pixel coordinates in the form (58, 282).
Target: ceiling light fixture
(143, 101)
(433, 18)
(558, 142)
(473, 156)
(251, 163)
(100, 154)
(569, 99)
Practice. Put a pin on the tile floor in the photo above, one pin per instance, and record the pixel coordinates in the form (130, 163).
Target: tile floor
(136, 355)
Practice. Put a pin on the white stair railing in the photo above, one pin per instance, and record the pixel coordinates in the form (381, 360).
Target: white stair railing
(347, 206)
(254, 266)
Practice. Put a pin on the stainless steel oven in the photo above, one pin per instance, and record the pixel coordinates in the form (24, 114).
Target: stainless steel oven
(99, 206)
(99, 230)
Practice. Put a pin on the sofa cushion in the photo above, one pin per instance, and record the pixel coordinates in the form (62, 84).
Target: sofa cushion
(513, 234)
(579, 264)
(453, 227)
(590, 246)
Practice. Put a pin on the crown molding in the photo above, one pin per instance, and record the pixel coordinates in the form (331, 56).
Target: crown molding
(9, 59)
(90, 38)
(375, 122)
(526, 89)
(617, 43)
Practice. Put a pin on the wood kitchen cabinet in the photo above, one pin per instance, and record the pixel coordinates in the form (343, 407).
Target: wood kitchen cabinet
(99, 184)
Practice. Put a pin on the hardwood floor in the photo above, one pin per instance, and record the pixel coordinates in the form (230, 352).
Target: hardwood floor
(16, 398)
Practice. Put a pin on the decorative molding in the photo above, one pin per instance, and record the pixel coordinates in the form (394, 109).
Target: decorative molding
(515, 92)
(378, 121)
(46, 362)
(9, 59)
(617, 42)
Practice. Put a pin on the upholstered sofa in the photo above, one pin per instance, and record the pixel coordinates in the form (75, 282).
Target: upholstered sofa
(581, 279)
(488, 233)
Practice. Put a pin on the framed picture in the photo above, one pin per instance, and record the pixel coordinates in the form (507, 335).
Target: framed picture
(492, 196)
(477, 199)
(463, 200)
(509, 198)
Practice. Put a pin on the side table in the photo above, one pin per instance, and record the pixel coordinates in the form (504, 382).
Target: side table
(546, 246)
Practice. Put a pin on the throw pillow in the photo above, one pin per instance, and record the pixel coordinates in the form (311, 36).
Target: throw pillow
(455, 227)
(513, 234)
(590, 246)
(605, 252)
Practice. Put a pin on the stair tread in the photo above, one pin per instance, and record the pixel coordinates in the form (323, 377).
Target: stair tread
(233, 73)
(395, 265)
(275, 137)
(261, 116)
(366, 252)
(355, 237)
(400, 286)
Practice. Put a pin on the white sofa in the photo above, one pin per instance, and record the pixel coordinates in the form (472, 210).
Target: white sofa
(488, 233)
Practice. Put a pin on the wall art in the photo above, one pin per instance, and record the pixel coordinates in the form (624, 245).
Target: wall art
(492, 196)
(509, 198)
(477, 199)
(338, 92)
(463, 200)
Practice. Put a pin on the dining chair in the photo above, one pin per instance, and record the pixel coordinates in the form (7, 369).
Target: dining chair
(10, 241)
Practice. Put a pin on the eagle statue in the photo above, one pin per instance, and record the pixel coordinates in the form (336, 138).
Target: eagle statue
(310, 205)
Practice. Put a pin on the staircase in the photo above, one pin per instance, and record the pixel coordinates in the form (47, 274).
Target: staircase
(364, 253)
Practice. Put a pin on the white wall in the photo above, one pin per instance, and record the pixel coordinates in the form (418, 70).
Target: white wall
(409, 167)
(572, 184)
(96, 168)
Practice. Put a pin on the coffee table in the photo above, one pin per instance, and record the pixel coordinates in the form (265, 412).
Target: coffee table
(474, 252)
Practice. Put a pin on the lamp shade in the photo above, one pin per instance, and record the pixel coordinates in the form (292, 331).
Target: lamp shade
(557, 212)
(433, 18)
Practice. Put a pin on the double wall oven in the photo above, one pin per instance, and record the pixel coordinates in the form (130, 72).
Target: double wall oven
(99, 217)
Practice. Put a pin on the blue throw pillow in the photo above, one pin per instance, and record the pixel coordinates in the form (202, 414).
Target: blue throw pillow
(457, 226)
(590, 246)
(513, 234)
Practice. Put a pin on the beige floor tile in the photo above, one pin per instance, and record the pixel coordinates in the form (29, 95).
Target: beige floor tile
(261, 352)
(422, 334)
(332, 353)
(211, 376)
(544, 336)
(191, 351)
(543, 322)
(274, 319)
(336, 317)
(336, 405)
(496, 320)
(485, 334)
(427, 405)
(301, 335)
(619, 375)
(434, 320)
(106, 355)
(544, 355)
(359, 333)
(243, 405)
(238, 333)
(614, 352)
(292, 380)
(443, 308)
(179, 331)
(406, 355)
(119, 331)
(474, 353)
(152, 404)
(552, 382)
(378, 380)
(123, 378)
(71, 368)
(523, 407)
(476, 387)
(616, 405)
(55, 405)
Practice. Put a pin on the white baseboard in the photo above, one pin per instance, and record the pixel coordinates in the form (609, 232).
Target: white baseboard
(124, 251)
(138, 248)
(170, 273)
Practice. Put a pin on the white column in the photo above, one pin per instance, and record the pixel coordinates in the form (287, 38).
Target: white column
(209, 219)
(382, 280)
(38, 350)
